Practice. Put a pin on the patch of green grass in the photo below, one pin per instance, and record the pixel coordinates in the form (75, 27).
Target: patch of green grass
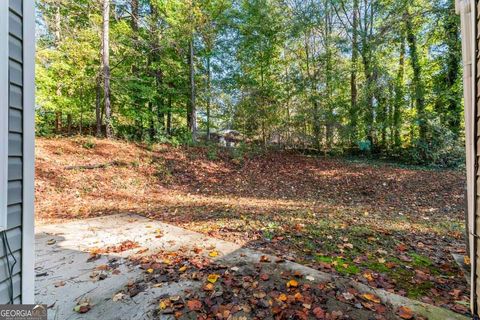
(403, 279)
(86, 143)
(448, 227)
(321, 227)
(135, 163)
(361, 231)
(324, 259)
(395, 260)
(376, 266)
(163, 172)
(319, 231)
(350, 269)
(343, 266)
(311, 245)
(270, 230)
(419, 290)
(420, 261)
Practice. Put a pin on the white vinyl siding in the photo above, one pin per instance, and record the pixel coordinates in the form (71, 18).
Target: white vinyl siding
(17, 47)
(17, 134)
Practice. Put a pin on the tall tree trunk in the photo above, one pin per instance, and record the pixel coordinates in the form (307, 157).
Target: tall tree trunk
(135, 69)
(209, 94)
(58, 34)
(369, 115)
(369, 112)
(69, 124)
(262, 106)
(134, 21)
(317, 130)
(191, 110)
(287, 108)
(150, 104)
(161, 101)
(382, 119)
(80, 128)
(454, 106)
(328, 79)
(58, 122)
(106, 66)
(391, 108)
(98, 107)
(155, 57)
(151, 130)
(417, 79)
(353, 77)
(399, 96)
(169, 116)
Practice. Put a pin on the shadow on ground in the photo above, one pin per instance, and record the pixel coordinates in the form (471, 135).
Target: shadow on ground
(384, 226)
(165, 271)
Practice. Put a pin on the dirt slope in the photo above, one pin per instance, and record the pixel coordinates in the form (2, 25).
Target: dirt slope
(136, 174)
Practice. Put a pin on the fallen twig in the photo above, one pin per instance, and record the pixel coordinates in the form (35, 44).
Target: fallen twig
(97, 166)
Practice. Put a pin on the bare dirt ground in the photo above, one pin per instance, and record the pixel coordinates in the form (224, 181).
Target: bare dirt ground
(386, 226)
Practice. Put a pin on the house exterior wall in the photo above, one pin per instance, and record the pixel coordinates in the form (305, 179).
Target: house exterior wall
(475, 114)
(15, 155)
(16, 237)
(470, 24)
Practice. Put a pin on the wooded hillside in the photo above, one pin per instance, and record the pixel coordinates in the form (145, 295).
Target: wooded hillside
(336, 76)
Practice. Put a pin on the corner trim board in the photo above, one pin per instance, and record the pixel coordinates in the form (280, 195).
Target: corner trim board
(28, 219)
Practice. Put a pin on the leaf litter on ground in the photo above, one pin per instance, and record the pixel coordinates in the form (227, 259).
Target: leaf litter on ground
(398, 224)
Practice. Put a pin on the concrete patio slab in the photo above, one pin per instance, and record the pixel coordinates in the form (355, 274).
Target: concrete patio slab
(64, 275)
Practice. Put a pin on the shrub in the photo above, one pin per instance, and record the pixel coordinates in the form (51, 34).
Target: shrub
(86, 142)
(442, 148)
(212, 152)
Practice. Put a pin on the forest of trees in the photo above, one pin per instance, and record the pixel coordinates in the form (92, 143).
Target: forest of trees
(335, 76)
